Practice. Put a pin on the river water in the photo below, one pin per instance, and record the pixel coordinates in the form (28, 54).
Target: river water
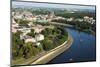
(82, 49)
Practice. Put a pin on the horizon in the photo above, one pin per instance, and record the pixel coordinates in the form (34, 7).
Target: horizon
(50, 5)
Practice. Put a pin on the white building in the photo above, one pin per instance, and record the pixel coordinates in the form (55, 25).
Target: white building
(30, 24)
(30, 40)
(38, 43)
(89, 19)
(39, 37)
(13, 13)
(86, 18)
(93, 22)
(70, 19)
(79, 19)
(57, 18)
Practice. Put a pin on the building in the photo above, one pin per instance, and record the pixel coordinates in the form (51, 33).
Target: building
(79, 19)
(25, 30)
(39, 37)
(89, 19)
(30, 24)
(86, 18)
(38, 43)
(52, 15)
(30, 40)
(27, 38)
(57, 18)
(70, 19)
(38, 28)
(42, 21)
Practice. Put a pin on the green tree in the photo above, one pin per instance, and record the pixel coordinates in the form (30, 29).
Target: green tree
(23, 22)
(17, 44)
(31, 33)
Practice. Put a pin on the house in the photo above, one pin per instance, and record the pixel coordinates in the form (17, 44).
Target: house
(70, 19)
(86, 18)
(38, 43)
(57, 18)
(30, 24)
(93, 21)
(30, 40)
(39, 37)
(79, 19)
(27, 38)
(89, 19)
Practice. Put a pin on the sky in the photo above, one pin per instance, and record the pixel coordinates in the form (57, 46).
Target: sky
(50, 5)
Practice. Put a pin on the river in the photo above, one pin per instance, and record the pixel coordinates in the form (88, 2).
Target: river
(82, 49)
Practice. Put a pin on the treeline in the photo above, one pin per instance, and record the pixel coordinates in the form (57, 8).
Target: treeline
(78, 14)
(78, 25)
(53, 38)
(40, 11)
(22, 22)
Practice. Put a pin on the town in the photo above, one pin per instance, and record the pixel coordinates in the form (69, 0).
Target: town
(35, 31)
(28, 16)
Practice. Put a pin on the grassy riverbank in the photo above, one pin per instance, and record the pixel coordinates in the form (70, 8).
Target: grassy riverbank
(26, 53)
(55, 52)
(46, 56)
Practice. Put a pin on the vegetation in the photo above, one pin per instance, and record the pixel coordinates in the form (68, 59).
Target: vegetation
(31, 33)
(78, 25)
(16, 45)
(77, 14)
(53, 38)
(21, 49)
(30, 50)
(22, 22)
(40, 11)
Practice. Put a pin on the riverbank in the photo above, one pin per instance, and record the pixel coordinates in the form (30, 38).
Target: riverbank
(55, 52)
(46, 56)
